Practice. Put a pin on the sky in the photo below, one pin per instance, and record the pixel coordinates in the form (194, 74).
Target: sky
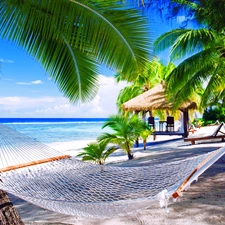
(27, 92)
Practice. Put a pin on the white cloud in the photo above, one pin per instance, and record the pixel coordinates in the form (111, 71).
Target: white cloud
(103, 105)
(181, 19)
(37, 82)
(30, 83)
(6, 61)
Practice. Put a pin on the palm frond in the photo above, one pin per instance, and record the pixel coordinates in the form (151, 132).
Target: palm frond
(74, 72)
(112, 36)
(166, 40)
(189, 67)
(190, 42)
(215, 85)
(184, 42)
(126, 94)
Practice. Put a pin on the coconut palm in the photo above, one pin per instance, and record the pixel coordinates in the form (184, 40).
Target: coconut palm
(145, 133)
(141, 129)
(97, 152)
(124, 133)
(71, 38)
(154, 73)
(201, 74)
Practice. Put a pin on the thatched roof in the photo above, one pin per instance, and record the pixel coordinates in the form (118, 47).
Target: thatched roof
(154, 99)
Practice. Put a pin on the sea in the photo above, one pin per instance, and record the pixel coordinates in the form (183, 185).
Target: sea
(61, 133)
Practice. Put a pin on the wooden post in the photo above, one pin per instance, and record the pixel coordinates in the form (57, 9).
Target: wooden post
(8, 214)
(185, 118)
(137, 140)
(144, 116)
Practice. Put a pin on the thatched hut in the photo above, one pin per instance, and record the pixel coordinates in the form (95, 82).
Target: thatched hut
(155, 99)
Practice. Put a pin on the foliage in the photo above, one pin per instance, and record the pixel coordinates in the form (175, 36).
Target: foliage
(145, 133)
(212, 114)
(71, 38)
(154, 73)
(97, 152)
(199, 122)
(125, 132)
(208, 12)
(200, 75)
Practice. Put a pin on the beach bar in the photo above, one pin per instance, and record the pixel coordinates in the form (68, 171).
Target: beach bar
(156, 99)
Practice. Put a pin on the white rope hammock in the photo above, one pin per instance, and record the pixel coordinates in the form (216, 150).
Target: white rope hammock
(77, 188)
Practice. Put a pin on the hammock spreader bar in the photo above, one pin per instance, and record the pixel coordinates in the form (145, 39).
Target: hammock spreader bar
(33, 163)
(203, 166)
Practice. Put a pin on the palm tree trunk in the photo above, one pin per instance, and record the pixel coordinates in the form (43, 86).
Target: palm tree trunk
(8, 214)
(145, 143)
(130, 155)
(137, 142)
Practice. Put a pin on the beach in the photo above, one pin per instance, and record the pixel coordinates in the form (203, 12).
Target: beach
(203, 203)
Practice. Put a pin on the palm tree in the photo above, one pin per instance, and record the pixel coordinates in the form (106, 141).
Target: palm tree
(124, 133)
(153, 73)
(201, 74)
(71, 38)
(97, 152)
(145, 133)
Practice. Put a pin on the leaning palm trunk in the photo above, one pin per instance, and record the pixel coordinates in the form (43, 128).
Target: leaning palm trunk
(130, 155)
(8, 214)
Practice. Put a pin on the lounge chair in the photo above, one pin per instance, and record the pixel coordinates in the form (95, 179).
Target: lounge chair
(207, 133)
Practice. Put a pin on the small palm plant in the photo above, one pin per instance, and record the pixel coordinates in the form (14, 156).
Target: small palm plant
(141, 129)
(97, 152)
(124, 133)
(144, 134)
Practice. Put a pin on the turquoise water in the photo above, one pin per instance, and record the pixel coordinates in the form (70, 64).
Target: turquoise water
(58, 130)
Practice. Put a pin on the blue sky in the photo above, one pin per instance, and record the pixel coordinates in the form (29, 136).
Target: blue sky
(26, 90)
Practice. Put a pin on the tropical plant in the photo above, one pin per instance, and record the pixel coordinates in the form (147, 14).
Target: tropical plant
(124, 133)
(200, 75)
(142, 130)
(153, 73)
(213, 114)
(71, 38)
(97, 152)
(145, 133)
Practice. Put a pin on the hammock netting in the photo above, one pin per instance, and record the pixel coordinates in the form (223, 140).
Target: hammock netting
(74, 187)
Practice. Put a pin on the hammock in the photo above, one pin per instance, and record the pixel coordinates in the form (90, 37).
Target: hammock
(73, 187)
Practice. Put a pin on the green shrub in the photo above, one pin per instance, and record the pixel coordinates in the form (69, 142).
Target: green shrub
(211, 115)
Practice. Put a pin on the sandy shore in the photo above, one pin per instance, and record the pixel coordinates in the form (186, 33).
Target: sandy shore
(203, 203)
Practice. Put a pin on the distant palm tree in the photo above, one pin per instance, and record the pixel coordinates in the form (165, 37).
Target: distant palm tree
(71, 38)
(145, 133)
(153, 74)
(97, 152)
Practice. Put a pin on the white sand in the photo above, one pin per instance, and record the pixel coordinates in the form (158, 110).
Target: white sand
(203, 203)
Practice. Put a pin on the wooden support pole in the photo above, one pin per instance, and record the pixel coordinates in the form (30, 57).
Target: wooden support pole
(185, 121)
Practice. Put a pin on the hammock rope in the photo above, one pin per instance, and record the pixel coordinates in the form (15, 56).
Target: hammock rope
(74, 187)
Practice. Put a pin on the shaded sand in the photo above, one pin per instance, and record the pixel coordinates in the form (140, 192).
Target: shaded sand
(203, 203)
